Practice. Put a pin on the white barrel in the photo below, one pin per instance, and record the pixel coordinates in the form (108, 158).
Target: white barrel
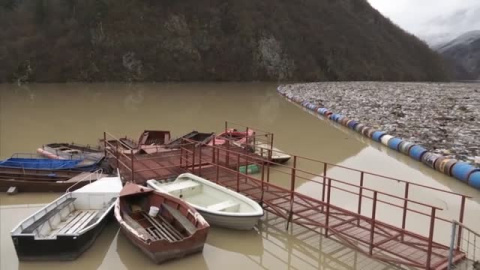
(385, 139)
(153, 212)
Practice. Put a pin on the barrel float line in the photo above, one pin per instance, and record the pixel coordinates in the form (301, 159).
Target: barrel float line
(462, 171)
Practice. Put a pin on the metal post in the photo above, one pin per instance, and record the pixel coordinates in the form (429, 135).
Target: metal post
(117, 154)
(328, 207)
(462, 212)
(263, 179)
(226, 126)
(430, 238)
(227, 159)
(268, 171)
(292, 190)
(213, 150)
(360, 196)
(452, 245)
(372, 228)
(238, 173)
(105, 143)
(218, 165)
(133, 174)
(405, 207)
(200, 161)
(181, 157)
(193, 160)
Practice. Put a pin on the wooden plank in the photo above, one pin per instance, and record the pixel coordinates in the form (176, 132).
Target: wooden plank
(157, 226)
(47, 216)
(191, 229)
(163, 228)
(137, 227)
(71, 223)
(172, 229)
(84, 221)
(152, 234)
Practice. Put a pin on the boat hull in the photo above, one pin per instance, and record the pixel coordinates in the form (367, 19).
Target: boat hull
(39, 186)
(159, 252)
(62, 248)
(230, 222)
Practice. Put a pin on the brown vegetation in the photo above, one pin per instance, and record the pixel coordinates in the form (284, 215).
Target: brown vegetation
(173, 40)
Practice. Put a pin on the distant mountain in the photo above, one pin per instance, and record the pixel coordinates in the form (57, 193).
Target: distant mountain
(207, 40)
(463, 53)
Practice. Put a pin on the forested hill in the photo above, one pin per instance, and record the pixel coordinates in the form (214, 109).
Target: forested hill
(198, 40)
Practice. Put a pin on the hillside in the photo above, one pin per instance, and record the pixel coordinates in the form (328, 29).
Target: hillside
(464, 55)
(184, 40)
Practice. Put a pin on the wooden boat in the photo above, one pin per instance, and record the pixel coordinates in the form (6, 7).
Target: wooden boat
(46, 181)
(278, 156)
(31, 162)
(70, 151)
(233, 135)
(161, 226)
(220, 206)
(150, 141)
(68, 226)
(199, 137)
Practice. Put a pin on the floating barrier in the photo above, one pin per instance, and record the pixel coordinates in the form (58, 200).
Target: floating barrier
(474, 179)
(385, 138)
(462, 170)
(429, 159)
(405, 146)
(377, 135)
(417, 152)
(393, 143)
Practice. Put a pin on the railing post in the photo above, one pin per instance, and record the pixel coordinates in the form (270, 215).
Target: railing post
(360, 196)
(323, 182)
(328, 207)
(452, 245)
(238, 172)
(117, 155)
(263, 179)
(133, 171)
(292, 190)
(268, 169)
(181, 157)
(462, 212)
(193, 160)
(105, 143)
(430, 238)
(200, 161)
(213, 151)
(372, 228)
(227, 159)
(226, 126)
(405, 207)
(217, 164)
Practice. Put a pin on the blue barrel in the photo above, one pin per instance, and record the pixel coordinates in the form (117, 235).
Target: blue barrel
(335, 116)
(394, 143)
(462, 170)
(377, 135)
(416, 152)
(352, 124)
(340, 118)
(474, 179)
(321, 110)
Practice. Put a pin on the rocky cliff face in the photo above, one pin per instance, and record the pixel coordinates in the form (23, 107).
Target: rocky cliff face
(184, 40)
(464, 55)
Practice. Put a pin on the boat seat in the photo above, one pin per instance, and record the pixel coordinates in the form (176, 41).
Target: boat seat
(183, 187)
(177, 215)
(47, 216)
(229, 206)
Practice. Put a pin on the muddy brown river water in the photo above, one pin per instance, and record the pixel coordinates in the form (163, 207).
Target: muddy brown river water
(37, 114)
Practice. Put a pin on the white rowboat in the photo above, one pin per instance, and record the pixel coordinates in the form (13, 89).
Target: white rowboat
(220, 206)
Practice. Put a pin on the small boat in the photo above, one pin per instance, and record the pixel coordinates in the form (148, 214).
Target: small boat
(233, 135)
(68, 226)
(150, 141)
(220, 206)
(32, 162)
(46, 181)
(278, 156)
(198, 137)
(161, 226)
(70, 151)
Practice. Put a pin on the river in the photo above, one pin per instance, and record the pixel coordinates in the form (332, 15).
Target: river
(32, 115)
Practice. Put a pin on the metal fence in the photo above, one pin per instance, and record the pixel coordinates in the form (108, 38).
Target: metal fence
(468, 242)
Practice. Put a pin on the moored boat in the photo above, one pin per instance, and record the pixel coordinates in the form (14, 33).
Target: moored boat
(277, 155)
(220, 206)
(65, 228)
(46, 181)
(70, 151)
(161, 226)
(232, 135)
(195, 136)
(27, 161)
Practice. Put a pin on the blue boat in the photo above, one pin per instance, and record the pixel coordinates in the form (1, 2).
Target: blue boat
(40, 163)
